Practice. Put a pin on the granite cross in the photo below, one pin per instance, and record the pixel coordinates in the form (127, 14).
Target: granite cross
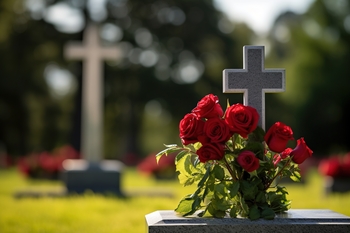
(253, 80)
(92, 55)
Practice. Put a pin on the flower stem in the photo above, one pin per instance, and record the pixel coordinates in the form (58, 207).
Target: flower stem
(278, 173)
(230, 170)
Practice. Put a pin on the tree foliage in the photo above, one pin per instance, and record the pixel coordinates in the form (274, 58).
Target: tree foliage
(190, 49)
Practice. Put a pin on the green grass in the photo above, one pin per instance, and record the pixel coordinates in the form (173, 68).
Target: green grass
(96, 213)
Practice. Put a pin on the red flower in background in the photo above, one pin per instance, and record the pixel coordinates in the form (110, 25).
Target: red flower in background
(46, 164)
(336, 166)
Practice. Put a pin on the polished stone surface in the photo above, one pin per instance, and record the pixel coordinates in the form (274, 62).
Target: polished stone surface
(293, 221)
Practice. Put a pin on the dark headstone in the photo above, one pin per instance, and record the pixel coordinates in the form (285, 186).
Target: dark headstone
(103, 177)
(337, 184)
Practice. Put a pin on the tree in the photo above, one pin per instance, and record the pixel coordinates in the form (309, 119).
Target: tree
(314, 47)
(173, 54)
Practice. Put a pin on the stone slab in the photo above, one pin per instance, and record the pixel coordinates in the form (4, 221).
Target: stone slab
(103, 177)
(293, 221)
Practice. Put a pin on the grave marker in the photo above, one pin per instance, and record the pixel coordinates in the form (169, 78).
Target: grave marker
(93, 173)
(254, 80)
(93, 56)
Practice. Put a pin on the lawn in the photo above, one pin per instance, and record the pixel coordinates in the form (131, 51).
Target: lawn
(96, 213)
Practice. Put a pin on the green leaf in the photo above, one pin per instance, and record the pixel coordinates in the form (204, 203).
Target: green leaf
(197, 145)
(268, 214)
(180, 155)
(185, 180)
(254, 212)
(233, 188)
(249, 189)
(296, 176)
(233, 212)
(219, 190)
(204, 178)
(170, 149)
(188, 205)
(245, 208)
(260, 197)
(184, 164)
(257, 148)
(257, 135)
(185, 207)
(219, 172)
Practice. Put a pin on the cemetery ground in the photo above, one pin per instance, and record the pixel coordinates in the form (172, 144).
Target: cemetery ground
(97, 213)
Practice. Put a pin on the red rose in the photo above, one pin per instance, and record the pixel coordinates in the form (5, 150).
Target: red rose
(217, 130)
(278, 136)
(211, 151)
(242, 119)
(190, 128)
(248, 161)
(208, 107)
(301, 152)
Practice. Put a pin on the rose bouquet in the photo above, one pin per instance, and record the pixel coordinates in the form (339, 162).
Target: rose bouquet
(233, 162)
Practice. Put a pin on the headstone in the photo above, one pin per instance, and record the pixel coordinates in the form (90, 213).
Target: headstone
(92, 173)
(293, 221)
(254, 80)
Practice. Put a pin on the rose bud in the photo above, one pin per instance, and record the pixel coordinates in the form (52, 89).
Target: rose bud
(301, 152)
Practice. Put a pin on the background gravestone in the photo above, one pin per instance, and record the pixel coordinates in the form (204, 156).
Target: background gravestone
(93, 173)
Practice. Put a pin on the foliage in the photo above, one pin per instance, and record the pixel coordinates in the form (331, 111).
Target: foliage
(32, 119)
(240, 182)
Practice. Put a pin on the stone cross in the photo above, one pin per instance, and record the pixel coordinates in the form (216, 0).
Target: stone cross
(254, 80)
(92, 55)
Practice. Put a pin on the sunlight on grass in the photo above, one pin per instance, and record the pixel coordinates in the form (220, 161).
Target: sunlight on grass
(97, 213)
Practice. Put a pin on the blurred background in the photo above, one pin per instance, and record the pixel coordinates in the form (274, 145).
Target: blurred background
(173, 53)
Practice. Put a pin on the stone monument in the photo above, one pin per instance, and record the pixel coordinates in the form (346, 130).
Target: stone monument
(253, 81)
(92, 173)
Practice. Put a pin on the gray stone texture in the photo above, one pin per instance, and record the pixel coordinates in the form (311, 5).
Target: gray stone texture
(293, 221)
(254, 80)
(104, 177)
